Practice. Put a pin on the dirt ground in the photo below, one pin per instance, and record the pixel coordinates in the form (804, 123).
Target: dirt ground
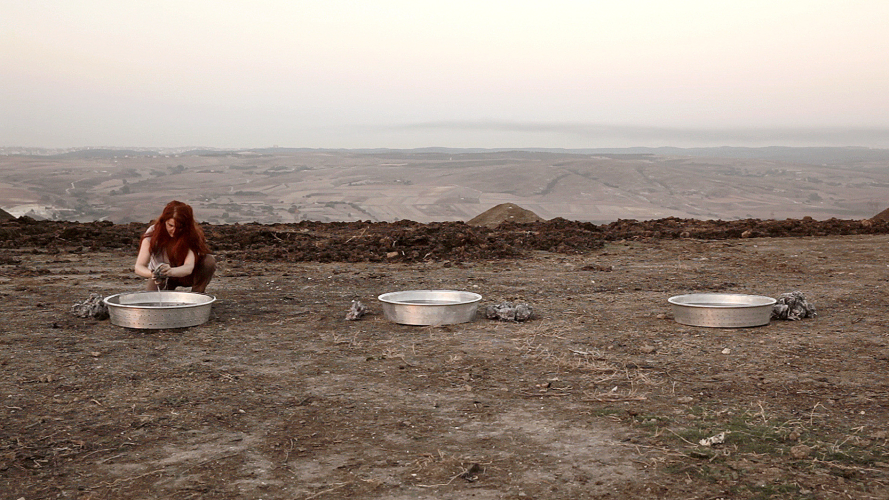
(600, 395)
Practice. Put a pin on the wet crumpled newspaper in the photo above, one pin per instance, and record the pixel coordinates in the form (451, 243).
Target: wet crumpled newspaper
(356, 311)
(714, 440)
(793, 306)
(93, 307)
(507, 311)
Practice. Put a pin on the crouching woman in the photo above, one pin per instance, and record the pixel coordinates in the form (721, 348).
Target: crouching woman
(174, 252)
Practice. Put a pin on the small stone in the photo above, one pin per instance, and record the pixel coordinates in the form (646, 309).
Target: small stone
(800, 451)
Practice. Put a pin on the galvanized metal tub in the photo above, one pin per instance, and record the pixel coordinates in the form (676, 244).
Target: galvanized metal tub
(430, 307)
(161, 309)
(722, 310)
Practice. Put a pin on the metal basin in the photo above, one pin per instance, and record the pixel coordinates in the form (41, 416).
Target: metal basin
(161, 309)
(430, 307)
(722, 310)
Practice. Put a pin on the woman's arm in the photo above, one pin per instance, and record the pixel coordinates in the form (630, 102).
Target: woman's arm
(182, 271)
(144, 258)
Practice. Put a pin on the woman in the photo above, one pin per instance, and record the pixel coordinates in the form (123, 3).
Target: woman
(174, 251)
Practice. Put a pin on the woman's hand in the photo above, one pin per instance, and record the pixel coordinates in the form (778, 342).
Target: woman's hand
(163, 271)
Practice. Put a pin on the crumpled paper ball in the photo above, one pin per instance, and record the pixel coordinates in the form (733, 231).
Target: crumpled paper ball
(507, 311)
(793, 306)
(93, 307)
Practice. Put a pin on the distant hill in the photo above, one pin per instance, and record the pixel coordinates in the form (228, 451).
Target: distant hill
(103, 153)
(275, 185)
(817, 156)
(810, 155)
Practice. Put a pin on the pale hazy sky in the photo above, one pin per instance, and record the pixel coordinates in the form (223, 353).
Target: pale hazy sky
(415, 73)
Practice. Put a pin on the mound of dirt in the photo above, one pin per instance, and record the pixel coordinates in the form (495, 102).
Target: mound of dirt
(504, 212)
(884, 215)
(407, 241)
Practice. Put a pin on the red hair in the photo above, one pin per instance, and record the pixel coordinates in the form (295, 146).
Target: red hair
(188, 234)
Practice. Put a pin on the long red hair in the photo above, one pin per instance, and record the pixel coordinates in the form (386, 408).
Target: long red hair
(188, 234)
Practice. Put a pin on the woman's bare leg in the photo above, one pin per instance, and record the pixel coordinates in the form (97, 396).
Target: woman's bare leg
(203, 273)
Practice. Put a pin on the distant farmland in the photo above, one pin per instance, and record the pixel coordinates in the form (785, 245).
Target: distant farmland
(272, 186)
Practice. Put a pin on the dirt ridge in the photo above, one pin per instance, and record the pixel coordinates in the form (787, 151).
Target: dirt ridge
(407, 241)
